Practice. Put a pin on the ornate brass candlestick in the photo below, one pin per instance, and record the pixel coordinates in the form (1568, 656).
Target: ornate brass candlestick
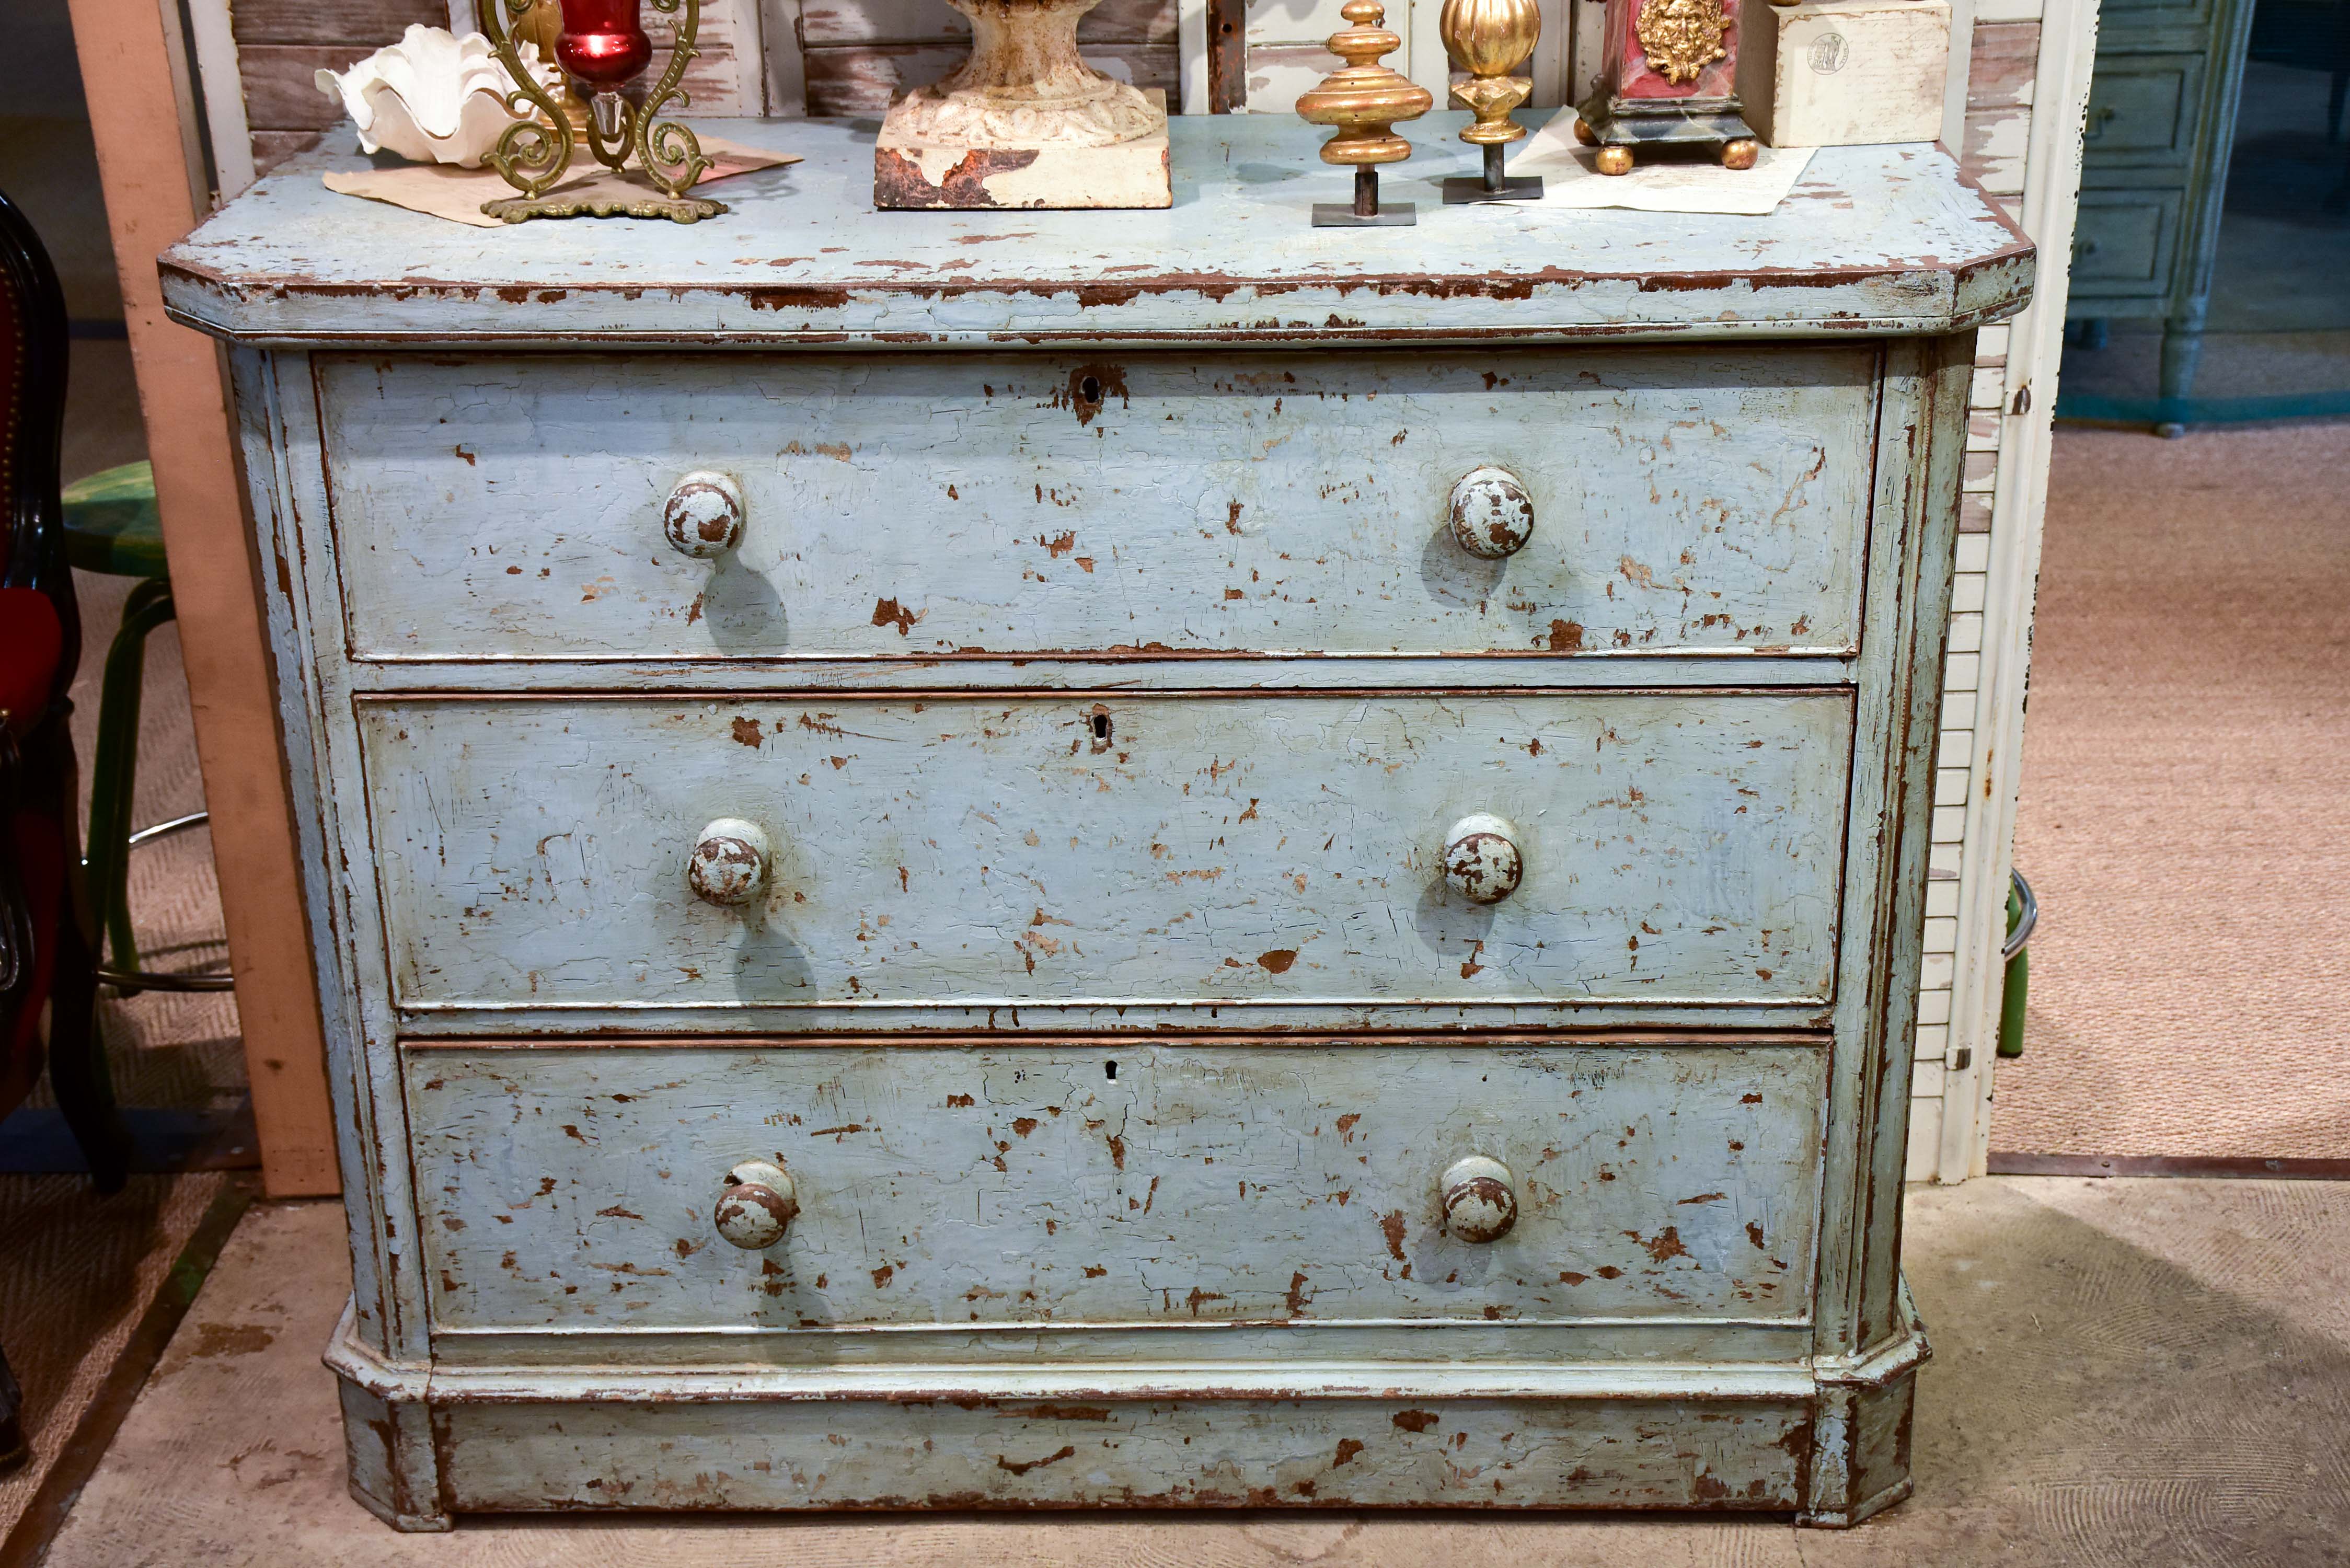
(1364, 101)
(1490, 39)
(602, 49)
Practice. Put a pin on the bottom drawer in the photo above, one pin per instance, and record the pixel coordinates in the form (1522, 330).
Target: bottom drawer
(2122, 244)
(1113, 1184)
(1698, 1452)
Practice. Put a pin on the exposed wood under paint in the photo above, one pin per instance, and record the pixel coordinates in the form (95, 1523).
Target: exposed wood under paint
(1696, 856)
(1877, 240)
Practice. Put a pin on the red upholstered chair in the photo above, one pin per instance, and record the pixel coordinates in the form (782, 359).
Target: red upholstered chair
(45, 947)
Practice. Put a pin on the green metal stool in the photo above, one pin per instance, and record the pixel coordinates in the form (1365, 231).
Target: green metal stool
(111, 529)
(2023, 917)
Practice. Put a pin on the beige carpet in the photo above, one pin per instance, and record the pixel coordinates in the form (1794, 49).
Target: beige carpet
(79, 1272)
(2185, 806)
(2134, 1374)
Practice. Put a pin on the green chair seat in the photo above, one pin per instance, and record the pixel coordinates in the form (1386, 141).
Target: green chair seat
(111, 523)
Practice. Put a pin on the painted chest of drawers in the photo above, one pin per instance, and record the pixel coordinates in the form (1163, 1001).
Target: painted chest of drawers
(1116, 858)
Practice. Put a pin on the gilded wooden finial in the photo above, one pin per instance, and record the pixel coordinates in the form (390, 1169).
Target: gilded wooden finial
(1490, 39)
(1363, 100)
(1366, 99)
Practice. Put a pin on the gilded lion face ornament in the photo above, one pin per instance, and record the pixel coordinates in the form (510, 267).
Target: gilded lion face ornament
(1681, 37)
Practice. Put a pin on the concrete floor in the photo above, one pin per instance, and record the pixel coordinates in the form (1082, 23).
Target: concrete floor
(2139, 1373)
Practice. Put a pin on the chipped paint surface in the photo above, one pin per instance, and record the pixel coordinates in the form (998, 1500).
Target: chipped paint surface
(981, 852)
(1873, 240)
(1492, 515)
(1480, 1195)
(1163, 504)
(1097, 698)
(728, 863)
(757, 1205)
(702, 515)
(1487, 1453)
(572, 1189)
(1482, 862)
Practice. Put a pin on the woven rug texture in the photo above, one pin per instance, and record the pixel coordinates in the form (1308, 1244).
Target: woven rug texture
(2184, 817)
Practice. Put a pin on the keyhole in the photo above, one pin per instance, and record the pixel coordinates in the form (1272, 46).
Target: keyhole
(1090, 390)
(1109, 1071)
(1101, 726)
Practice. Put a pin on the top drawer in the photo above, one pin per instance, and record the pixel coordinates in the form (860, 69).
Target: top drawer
(934, 505)
(2142, 112)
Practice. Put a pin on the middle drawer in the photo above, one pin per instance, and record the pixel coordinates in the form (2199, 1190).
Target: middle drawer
(1140, 857)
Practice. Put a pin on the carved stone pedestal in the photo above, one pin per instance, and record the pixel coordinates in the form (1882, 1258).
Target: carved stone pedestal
(1024, 122)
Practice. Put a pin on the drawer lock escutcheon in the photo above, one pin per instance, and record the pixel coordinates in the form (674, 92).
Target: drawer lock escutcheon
(729, 863)
(703, 515)
(1481, 860)
(1480, 1199)
(758, 1206)
(1492, 515)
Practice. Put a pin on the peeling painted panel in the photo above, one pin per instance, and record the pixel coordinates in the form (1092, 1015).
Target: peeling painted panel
(1875, 240)
(923, 506)
(1487, 1453)
(1189, 890)
(1153, 853)
(574, 1188)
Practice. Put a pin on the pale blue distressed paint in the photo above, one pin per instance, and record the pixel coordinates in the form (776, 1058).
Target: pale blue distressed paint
(500, 771)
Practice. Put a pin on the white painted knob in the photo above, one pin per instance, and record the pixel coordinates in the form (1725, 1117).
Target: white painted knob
(703, 515)
(759, 1203)
(1480, 1199)
(1481, 859)
(729, 863)
(1492, 515)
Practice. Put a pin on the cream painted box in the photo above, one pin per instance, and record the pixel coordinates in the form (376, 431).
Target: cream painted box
(1844, 75)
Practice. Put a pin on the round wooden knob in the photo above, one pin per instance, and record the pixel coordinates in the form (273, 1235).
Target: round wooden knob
(729, 863)
(1481, 859)
(1492, 515)
(703, 515)
(759, 1203)
(1480, 1199)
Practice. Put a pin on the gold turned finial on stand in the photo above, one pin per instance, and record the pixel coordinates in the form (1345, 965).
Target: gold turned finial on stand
(1490, 39)
(1363, 100)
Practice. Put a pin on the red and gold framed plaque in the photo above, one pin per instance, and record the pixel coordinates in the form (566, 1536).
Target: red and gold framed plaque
(1669, 78)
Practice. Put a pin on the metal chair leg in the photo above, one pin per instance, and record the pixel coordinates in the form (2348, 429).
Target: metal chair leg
(13, 1453)
(78, 1069)
(131, 981)
(114, 768)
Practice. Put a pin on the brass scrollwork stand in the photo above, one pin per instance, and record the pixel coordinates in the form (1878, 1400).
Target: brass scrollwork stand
(537, 151)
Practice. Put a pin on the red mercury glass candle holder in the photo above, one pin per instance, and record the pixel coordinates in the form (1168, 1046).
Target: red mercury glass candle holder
(602, 49)
(602, 45)
(1667, 76)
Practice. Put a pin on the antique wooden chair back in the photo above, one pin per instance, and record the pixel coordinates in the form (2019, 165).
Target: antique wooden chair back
(45, 953)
